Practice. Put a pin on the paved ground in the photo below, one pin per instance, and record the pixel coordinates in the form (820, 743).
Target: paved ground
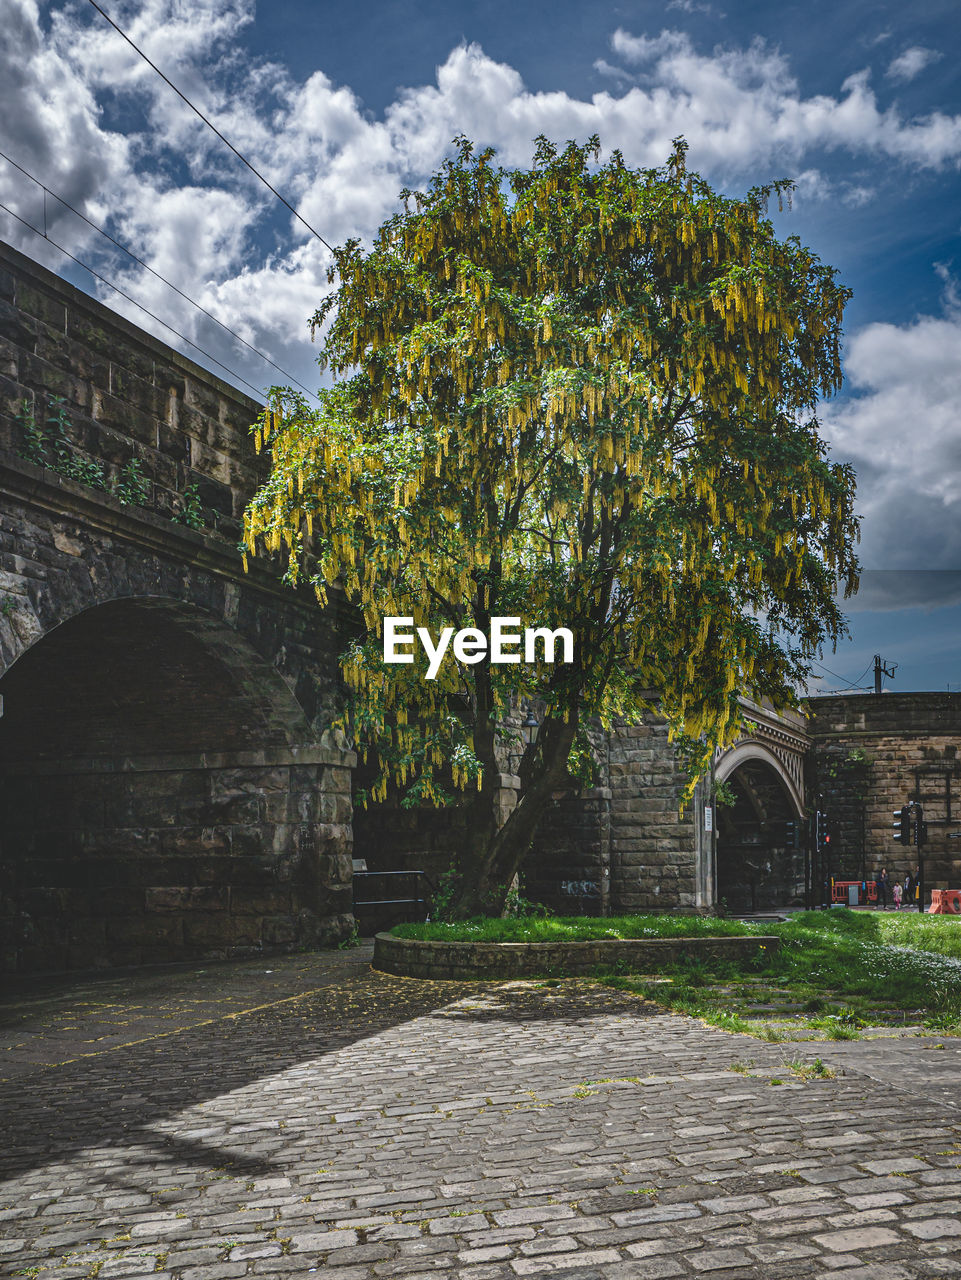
(306, 1116)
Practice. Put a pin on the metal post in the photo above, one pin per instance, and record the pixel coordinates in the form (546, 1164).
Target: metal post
(919, 845)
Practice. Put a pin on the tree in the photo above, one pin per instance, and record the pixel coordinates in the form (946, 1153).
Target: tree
(583, 395)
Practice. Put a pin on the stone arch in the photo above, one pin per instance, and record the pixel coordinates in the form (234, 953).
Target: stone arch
(288, 633)
(759, 856)
(161, 796)
(752, 749)
(150, 645)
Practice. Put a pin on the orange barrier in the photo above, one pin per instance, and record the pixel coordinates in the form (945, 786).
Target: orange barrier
(945, 902)
(839, 891)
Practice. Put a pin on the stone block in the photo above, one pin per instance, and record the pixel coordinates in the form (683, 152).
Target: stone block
(212, 494)
(152, 931)
(18, 327)
(252, 902)
(117, 902)
(174, 444)
(86, 931)
(140, 392)
(203, 842)
(279, 931)
(240, 809)
(127, 420)
(77, 955)
(252, 841)
(221, 930)
(336, 808)
(249, 781)
(200, 898)
(37, 302)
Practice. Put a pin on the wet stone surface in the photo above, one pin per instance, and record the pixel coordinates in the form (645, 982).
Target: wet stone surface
(307, 1116)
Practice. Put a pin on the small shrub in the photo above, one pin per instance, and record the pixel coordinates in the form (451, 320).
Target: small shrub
(191, 513)
(33, 443)
(133, 487)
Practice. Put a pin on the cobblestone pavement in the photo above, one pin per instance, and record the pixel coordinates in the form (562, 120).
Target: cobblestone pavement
(308, 1117)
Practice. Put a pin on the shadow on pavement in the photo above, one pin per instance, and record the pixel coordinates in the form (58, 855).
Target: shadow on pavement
(185, 1046)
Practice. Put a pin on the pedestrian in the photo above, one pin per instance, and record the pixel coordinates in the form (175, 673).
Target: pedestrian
(908, 897)
(896, 893)
(881, 884)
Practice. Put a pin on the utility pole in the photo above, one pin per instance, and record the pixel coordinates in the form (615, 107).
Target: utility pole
(822, 847)
(882, 669)
(920, 840)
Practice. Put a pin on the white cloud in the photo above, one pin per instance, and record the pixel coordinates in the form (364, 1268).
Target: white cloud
(51, 124)
(605, 68)
(901, 431)
(649, 48)
(911, 63)
(691, 6)
(191, 210)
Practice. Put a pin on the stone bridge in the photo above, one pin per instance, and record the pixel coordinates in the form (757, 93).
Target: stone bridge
(170, 786)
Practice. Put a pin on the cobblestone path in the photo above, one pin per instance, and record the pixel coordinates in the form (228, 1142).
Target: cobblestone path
(308, 1117)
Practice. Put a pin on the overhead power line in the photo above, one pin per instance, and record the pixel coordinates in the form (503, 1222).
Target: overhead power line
(140, 262)
(116, 288)
(854, 684)
(210, 125)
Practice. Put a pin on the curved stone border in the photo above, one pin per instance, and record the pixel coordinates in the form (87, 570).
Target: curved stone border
(416, 958)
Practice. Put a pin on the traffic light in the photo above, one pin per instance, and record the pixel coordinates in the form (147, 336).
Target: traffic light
(902, 825)
(825, 828)
(790, 833)
(921, 834)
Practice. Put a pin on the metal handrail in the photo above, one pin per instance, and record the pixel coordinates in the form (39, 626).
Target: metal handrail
(420, 901)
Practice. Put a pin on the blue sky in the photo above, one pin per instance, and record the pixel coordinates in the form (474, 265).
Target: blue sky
(341, 106)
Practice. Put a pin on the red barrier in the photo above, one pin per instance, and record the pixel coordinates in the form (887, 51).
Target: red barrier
(945, 902)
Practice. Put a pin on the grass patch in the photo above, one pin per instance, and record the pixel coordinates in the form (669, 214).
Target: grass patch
(911, 963)
(836, 973)
(815, 1070)
(576, 929)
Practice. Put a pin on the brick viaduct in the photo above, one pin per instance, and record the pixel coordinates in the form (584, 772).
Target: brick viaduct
(170, 783)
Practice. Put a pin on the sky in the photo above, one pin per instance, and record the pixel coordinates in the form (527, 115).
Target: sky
(340, 107)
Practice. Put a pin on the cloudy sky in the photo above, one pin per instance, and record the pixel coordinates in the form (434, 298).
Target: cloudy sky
(341, 106)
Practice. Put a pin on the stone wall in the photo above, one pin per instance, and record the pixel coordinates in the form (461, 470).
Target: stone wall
(619, 846)
(417, 958)
(569, 865)
(622, 845)
(146, 859)
(169, 785)
(654, 862)
(911, 742)
(126, 398)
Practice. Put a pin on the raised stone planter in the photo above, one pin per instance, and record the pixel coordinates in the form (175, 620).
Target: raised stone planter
(414, 958)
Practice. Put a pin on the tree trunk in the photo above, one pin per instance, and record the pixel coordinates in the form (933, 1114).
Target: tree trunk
(493, 857)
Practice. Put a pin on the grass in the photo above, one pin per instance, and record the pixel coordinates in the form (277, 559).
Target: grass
(575, 929)
(836, 973)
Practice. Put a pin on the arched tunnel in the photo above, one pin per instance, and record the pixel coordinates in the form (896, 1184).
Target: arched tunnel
(760, 854)
(159, 798)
